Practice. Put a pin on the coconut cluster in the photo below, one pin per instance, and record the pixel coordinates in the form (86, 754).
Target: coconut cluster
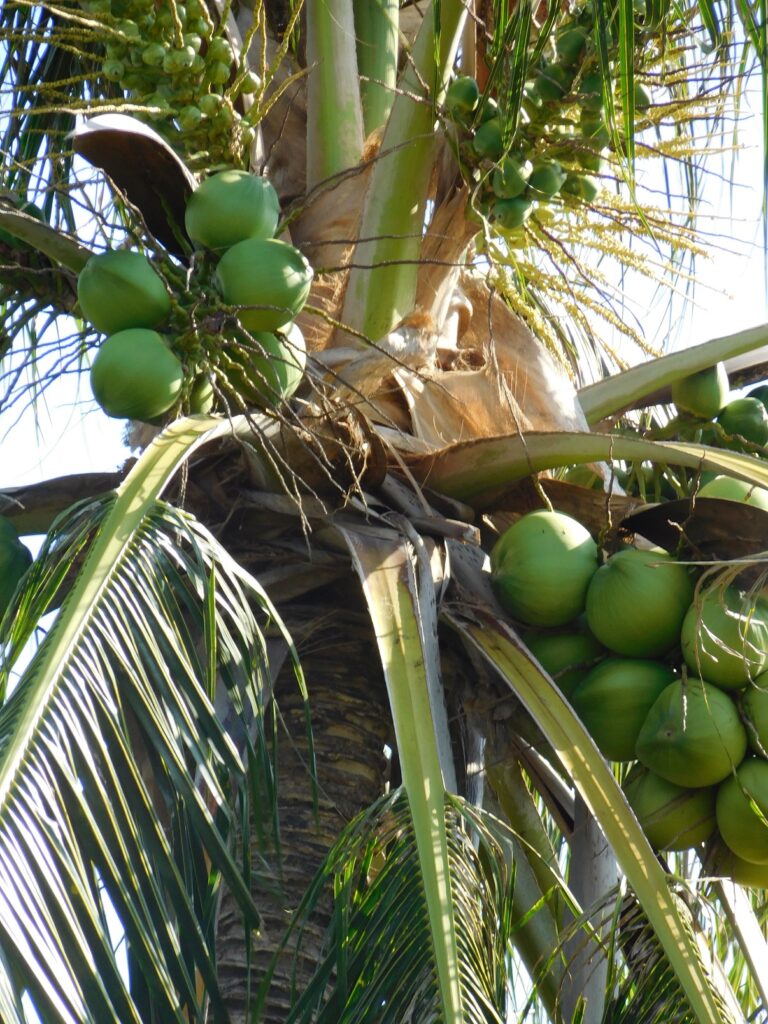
(742, 423)
(662, 670)
(560, 143)
(173, 59)
(229, 342)
(707, 413)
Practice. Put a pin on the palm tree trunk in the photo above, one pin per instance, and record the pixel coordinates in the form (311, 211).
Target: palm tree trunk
(350, 727)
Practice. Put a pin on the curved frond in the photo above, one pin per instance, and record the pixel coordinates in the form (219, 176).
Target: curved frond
(129, 749)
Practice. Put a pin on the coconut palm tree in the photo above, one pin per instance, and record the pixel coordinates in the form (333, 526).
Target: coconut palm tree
(280, 755)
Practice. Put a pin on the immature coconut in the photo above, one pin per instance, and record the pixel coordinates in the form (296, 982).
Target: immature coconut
(742, 811)
(747, 418)
(269, 278)
(268, 367)
(637, 601)
(136, 376)
(724, 637)
(567, 657)
(614, 699)
(229, 207)
(703, 393)
(692, 735)
(541, 567)
(731, 489)
(119, 289)
(672, 817)
(726, 864)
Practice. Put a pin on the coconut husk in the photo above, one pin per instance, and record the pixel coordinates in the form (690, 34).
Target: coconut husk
(324, 230)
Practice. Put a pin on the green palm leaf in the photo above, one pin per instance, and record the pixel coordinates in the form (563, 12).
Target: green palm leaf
(117, 764)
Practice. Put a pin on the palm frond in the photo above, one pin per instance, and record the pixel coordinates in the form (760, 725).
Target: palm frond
(120, 781)
(379, 959)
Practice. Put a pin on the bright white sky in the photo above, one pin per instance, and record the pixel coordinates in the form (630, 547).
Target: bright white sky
(73, 435)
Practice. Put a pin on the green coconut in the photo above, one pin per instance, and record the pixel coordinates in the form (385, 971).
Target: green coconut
(268, 277)
(541, 567)
(724, 638)
(15, 559)
(487, 142)
(730, 489)
(201, 396)
(760, 393)
(747, 418)
(268, 367)
(672, 817)
(567, 657)
(693, 735)
(511, 214)
(742, 811)
(704, 393)
(582, 186)
(754, 711)
(510, 178)
(230, 207)
(726, 864)
(637, 601)
(135, 375)
(119, 289)
(547, 178)
(462, 95)
(614, 699)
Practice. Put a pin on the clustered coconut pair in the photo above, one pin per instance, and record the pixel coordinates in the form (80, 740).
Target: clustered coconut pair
(706, 396)
(227, 339)
(661, 672)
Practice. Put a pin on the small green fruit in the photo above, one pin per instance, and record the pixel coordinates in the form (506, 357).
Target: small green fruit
(553, 82)
(672, 817)
(693, 735)
(487, 142)
(582, 186)
(270, 367)
(230, 207)
(747, 418)
(511, 177)
(541, 567)
(724, 637)
(202, 396)
(511, 213)
(614, 699)
(488, 111)
(726, 864)
(567, 657)
(742, 810)
(570, 43)
(731, 489)
(704, 393)
(119, 289)
(591, 92)
(268, 277)
(637, 601)
(546, 179)
(462, 96)
(135, 375)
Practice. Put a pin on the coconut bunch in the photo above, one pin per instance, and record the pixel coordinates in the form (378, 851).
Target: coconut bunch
(561, 140)
(217, 334)
(173, 59)
(663, 672)
(706, 413)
